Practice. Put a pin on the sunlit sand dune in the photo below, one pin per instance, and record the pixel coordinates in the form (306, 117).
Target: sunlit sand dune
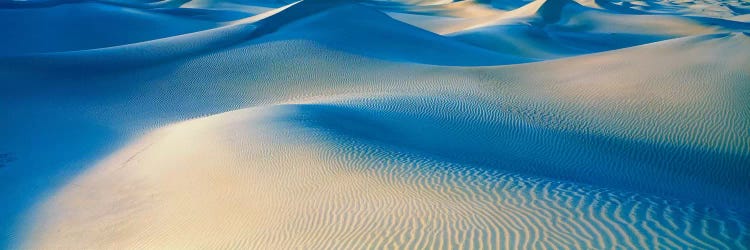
(261, 124)
(284, 177)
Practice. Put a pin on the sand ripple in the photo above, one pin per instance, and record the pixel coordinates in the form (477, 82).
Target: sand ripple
(266, 179)
(265, 124)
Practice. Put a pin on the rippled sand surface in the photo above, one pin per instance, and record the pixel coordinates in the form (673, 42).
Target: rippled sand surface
(504, 124)
(262, 178)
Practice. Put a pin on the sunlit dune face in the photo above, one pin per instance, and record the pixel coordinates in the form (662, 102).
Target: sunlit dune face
(260, 179)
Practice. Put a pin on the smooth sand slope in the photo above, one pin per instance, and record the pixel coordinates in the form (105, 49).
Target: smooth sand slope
(332, 124)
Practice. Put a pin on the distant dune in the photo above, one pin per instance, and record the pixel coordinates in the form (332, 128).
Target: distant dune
(262, 124)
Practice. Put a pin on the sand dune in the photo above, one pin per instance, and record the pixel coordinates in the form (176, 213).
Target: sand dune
(548, 29)
(559, 28)
(79, 26)
(267, 178)
(373, 34)
(309, 21)
(404, 124)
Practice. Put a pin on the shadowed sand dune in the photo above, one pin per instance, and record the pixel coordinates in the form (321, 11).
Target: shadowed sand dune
(369, 124)
(86, 25)
(369, 33)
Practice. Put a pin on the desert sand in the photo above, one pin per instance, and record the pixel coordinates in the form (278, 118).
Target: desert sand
(334, 124)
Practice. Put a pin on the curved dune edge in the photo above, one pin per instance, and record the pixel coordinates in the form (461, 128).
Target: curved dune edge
(258, 178)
